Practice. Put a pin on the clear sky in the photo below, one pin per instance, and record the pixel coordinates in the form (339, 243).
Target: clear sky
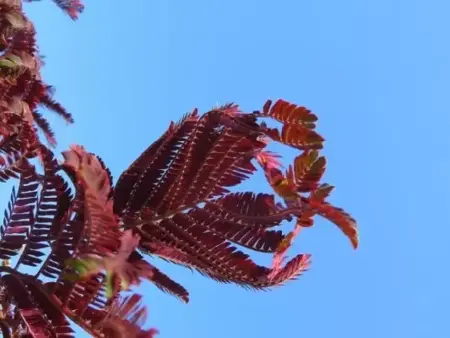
(377, 74)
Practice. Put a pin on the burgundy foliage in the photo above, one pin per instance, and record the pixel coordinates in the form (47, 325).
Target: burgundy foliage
(85, 238)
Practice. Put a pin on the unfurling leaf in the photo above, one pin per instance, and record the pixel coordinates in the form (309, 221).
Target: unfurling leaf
(115, 265)
(282, 185)
(309, 169)
(9, 62)
(90, 172)
(268, 160)
(16, 19)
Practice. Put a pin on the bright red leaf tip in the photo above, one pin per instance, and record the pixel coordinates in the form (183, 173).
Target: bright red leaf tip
(269, 160)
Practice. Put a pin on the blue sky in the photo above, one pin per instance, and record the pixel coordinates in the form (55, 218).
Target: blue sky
(376, 73)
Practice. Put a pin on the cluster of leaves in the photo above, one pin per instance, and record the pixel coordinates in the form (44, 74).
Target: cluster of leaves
(85, 239)
(45, 223)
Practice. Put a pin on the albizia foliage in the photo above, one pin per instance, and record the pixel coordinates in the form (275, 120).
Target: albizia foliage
(84, 239)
